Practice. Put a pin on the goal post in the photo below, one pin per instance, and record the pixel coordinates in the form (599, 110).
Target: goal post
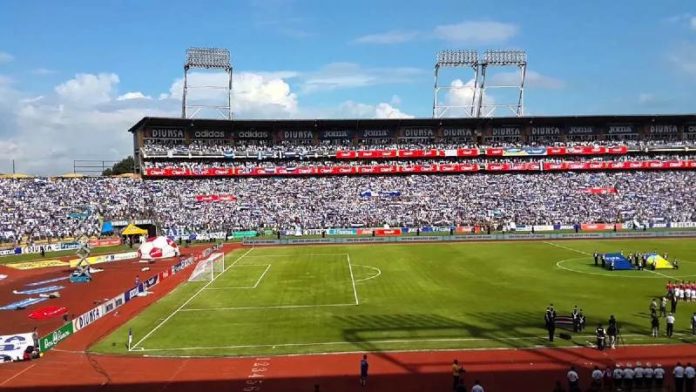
(208, 269)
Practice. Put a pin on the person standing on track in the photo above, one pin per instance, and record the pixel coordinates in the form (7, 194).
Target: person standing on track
(689, 375)
(456, 374)
(678, 373)
(363, 370)
(659, 373)
(477, 387)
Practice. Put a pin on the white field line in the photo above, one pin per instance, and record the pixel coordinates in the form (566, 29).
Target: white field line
(267, 307)
(19, 373)
(379, 272)
(352, 279)
(659, 273)
(567, 248)
(303, 255)
(385, 341)
(188, 300)
(268, 266)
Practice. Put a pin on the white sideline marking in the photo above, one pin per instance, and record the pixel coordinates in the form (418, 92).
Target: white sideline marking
(302, 255)
(268, 266)
(352, 279)
(385, 341)
(659, 273)
(567, 248)
(266, 307)
(17, 375)
(188, 300)
(379, 272)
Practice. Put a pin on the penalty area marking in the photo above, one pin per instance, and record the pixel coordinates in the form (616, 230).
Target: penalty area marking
(379, 272)
(267, 307)
(188, 300)
(560, 265)
(268, 266)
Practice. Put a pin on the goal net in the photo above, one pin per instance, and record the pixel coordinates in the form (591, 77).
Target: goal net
(208, 269)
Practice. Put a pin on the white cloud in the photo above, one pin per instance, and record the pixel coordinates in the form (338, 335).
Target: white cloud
(476, 33)
(466, 32)
(88, 89)
(133, 95)
(684, 58)
(43, 71)
(351, 109)
(350, 75)
(692, 23)
(86, 118)
(5, 57)
(389, 37)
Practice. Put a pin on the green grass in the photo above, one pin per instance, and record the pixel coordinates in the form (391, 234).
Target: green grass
(427, 296)
(54, 255)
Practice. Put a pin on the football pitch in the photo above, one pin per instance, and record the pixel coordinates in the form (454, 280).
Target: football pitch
(317, 299)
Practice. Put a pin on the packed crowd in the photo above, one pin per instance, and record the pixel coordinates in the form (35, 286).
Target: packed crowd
(329, 147)
(196, 164)
(43, 208)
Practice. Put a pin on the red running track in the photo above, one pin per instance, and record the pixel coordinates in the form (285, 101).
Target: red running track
(69, 368)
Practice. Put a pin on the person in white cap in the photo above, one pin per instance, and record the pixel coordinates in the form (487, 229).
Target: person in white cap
(648, 376)
(638, 373)
(659, 376)
(618, 376)
(628, 375)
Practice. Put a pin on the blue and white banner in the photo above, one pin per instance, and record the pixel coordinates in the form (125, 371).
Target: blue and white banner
(41, 290)
(14, 346)
(23, 303)
(43, 282)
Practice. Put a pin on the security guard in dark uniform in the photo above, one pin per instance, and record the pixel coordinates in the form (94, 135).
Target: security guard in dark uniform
(596, 258)
(576, 319)
(601, 335)
(550, 321)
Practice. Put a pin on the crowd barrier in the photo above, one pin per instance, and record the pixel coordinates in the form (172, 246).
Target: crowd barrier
(50, 340)
(471, 237)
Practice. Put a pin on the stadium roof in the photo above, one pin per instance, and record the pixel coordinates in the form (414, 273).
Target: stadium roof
(363, 123)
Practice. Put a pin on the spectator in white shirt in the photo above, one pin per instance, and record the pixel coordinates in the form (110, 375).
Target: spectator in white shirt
(573, 380)
(477, 387)
(648, 373)
(678, 373)
(659, 376)
(638, 374)
(618, 376)
(689, 375)
(597, 377)
(628, 375)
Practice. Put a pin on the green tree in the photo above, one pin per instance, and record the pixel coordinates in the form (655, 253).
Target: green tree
(126, 165)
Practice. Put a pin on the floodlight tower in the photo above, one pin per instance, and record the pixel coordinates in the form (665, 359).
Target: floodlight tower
(502, 58)
(455, 59)
(210, 59)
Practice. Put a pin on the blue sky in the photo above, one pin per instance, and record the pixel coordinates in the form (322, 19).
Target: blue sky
(76, 73)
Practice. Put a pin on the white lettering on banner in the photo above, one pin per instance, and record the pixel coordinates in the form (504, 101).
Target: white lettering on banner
(252, 134)
(376, 133)
(580, 130)
(419, 132)
(507, 131)
(7, 252)
(167, 133)
(456, 132)
(87, 318)
(683, 225)
(297, 135)
(620, 129)
(545, 131)
(209, 134)
(663, 129)
(337, 134)
(691, 129)
(109, 306)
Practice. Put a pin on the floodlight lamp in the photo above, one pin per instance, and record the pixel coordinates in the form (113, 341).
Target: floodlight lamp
(209, 58)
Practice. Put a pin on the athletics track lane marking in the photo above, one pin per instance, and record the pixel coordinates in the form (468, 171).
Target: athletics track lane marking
(187, 301)
(19, 373)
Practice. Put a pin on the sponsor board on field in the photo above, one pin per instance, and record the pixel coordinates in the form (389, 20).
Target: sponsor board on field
(27, 265)
(49, 341)
(105, 258)
(14, 346)
(87, 318)
(23, 303)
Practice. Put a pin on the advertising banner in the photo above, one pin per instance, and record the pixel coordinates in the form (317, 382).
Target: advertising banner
(87, 318)
(37, 264)
(342, 232)
(105, 242)
(49, 341)
(599, 226)
(105, 258)
(244, 234)
(14, 346)
(387, 232)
